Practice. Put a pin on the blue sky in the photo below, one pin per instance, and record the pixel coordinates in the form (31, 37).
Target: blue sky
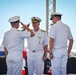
(29, 8)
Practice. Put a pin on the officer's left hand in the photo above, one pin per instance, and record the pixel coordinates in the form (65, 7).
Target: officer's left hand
(44, 57)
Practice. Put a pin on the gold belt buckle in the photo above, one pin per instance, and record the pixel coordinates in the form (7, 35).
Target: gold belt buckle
(33, 51)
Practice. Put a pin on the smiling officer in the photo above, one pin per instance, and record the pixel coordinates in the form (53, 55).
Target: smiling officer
(37, 48)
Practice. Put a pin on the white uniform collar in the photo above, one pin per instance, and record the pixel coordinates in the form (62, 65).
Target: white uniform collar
(37, 31)
(13, 29)
(59, 21)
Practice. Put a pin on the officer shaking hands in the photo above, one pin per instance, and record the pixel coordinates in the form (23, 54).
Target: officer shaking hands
(13, 43)
(60, 35)
(37, 48)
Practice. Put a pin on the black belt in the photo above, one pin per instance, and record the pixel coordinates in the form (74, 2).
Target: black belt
(33, 51)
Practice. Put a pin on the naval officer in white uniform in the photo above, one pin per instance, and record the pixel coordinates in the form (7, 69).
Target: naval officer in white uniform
(37, 48)
(13, 43)
(60, 34)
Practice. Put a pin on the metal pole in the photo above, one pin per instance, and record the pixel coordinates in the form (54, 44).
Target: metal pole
(47, 15)
(50, 7)
(54, 5)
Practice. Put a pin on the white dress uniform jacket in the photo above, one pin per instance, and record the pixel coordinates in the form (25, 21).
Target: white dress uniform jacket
(35, 52)
(61, 33)
(14, 42)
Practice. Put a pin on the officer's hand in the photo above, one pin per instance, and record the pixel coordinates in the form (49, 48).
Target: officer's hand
(68, 55)
(24, 26)
(44, 57)
(28, 25)
(68, 51)
(51, 56)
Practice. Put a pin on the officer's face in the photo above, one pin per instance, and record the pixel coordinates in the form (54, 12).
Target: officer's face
(35, 25)
(54, 20)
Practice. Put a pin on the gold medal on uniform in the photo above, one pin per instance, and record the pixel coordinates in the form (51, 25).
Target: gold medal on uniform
(39, 39)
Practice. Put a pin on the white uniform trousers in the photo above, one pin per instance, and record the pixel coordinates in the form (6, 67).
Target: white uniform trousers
(59, 62)
(17, 68)
(35, 65)
(14, 63)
